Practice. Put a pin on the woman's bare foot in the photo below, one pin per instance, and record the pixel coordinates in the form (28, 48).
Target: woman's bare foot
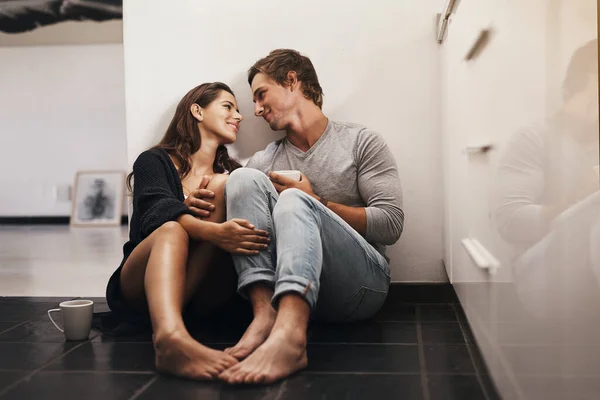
(180, 355)
(255, 335)
(279, 357)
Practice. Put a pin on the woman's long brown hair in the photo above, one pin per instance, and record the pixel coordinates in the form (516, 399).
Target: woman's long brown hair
(182, 138)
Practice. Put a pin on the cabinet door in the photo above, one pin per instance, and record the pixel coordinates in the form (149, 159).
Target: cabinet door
(533, 200)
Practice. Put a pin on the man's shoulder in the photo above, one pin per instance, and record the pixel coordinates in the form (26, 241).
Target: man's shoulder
(355, 129)
(270, 150)
(535, 135)
(350, 127)
(359, 134)
(264, 156)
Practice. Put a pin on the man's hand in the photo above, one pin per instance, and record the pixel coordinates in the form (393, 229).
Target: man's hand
(195, 201)
(281, 183)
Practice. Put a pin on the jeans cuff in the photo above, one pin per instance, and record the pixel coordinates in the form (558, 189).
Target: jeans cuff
(252, 276)
(302, 286)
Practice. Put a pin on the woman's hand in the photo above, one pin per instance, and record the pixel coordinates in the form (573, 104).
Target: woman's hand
(239, 236)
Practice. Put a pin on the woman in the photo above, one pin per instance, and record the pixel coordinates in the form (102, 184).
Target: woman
(172, 256)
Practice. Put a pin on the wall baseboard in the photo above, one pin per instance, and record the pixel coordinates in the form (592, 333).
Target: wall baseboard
(44, 220)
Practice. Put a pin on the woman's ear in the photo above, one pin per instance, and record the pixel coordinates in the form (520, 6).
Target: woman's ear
(196, 111)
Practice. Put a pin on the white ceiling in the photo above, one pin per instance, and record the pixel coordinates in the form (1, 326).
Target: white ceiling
(65, 33)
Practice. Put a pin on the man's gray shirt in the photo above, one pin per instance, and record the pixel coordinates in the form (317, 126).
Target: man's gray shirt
(350, 165)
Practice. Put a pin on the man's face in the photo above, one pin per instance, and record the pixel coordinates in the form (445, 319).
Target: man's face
(272, 101)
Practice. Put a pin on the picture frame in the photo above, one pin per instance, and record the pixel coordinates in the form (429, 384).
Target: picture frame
(98, 198)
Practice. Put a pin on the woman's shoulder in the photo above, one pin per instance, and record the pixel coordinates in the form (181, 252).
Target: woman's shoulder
(152, 155)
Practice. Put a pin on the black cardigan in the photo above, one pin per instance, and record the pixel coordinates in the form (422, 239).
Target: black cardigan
(157, 198)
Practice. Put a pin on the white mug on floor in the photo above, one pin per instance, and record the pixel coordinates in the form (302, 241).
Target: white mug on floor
(76, 316)
(289, 173)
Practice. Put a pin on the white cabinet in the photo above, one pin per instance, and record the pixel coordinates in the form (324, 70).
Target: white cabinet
(532, 96)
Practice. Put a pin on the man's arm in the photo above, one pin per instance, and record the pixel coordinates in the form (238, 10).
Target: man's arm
(380, 187)
(520, 217)
(356, 217)
(382, 220)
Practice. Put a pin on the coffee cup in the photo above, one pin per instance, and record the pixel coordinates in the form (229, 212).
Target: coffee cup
(76, 316)
(289, 173)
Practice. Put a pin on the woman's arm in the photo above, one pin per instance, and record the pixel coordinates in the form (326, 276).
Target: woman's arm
(234, 236)
(156, 203)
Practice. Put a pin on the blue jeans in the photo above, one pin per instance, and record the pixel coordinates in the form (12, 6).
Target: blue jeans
(313, 252)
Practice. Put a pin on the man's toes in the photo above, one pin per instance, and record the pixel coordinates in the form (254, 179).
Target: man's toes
(261, 378)
(205, 376)
(240, 377)
(249, 379)
(225, 375)
(230, 374)
(236, 379)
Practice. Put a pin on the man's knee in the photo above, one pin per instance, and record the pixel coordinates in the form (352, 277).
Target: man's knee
(242, 179)
(292, 201)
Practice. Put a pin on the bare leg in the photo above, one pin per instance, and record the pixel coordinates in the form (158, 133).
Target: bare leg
(212, 267)
(264, 317)
(284, 352)
(203, 256)
(159, 277)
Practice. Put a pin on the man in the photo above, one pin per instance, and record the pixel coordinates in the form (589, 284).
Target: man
(328, 231)
(549, 199)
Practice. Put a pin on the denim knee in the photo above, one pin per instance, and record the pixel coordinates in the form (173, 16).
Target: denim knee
(244, 179)
(292, 201)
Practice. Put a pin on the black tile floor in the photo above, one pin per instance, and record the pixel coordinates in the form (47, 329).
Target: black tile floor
(418, 347)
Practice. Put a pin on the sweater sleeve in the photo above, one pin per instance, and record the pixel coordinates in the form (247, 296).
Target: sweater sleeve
(153, 197)
(521, 182)
(379, 186)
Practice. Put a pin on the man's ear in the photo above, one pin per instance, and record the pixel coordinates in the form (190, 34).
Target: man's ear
(196, 111)
(292, 80)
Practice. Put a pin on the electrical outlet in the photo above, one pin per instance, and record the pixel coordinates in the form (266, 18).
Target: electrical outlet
(62, 193)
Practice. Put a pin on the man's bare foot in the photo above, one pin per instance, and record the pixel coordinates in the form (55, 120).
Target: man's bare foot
(255, 335)
(279, 357)
(180, 355)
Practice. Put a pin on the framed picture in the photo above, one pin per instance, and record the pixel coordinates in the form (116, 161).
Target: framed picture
(98, 198)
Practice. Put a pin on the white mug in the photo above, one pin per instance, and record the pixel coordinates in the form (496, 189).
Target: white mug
(597, 169)
(290, 173)
(76, 316)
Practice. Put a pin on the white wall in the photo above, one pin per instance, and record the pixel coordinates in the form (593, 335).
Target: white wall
(62, 109)
(377, 62)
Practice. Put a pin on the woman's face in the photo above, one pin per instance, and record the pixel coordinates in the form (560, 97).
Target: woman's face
(220, 118)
